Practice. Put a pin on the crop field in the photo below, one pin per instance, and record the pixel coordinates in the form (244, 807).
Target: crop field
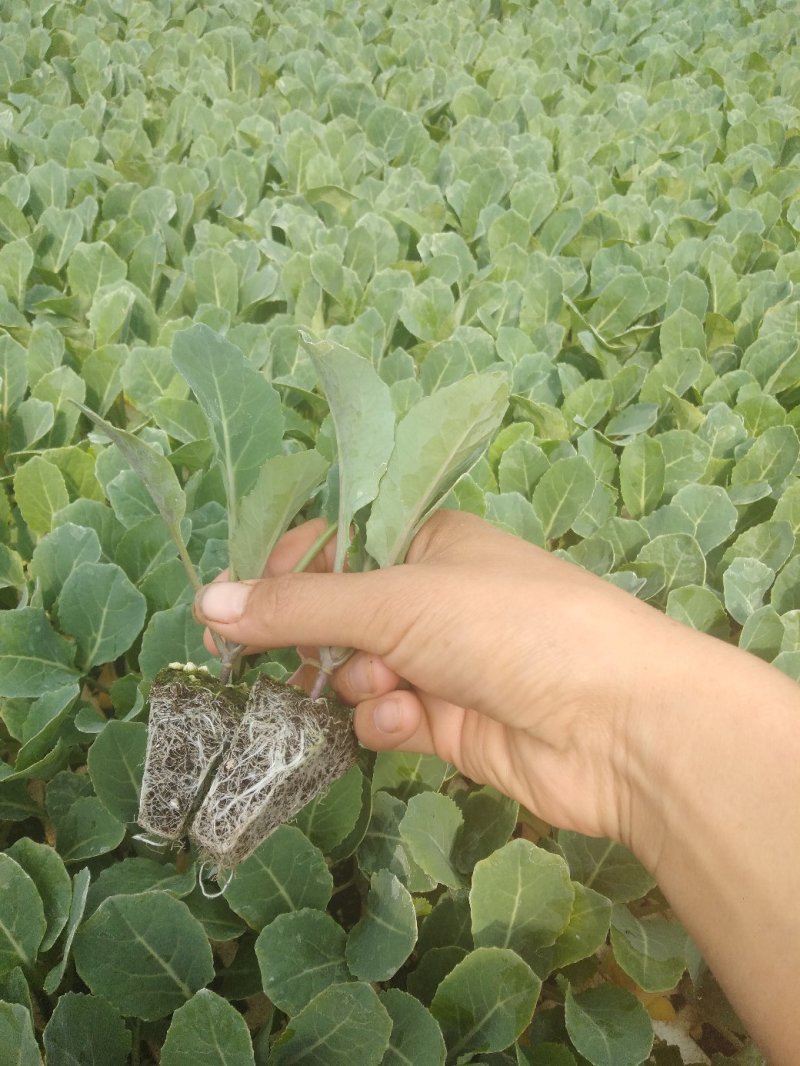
(567, 231)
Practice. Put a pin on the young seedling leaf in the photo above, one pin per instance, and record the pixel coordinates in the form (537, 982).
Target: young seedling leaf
(16, 1035)
(384, 937)
(47, 871)
(33, 658)
(86, 1029)
(243, 409)
(284, 484)
(416, 1036)
(521, 897)
(285, 873)
(438, 440)
(485, 1001)
(207, 1031)
(22, 918)
(153, 468)
(145, 954)
(103, 610)
(300, 954)
(608, 1026)
(343, 1024)
(361, 408)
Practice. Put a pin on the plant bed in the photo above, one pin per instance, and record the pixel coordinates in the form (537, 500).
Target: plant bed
(192, 719)
(286, 750)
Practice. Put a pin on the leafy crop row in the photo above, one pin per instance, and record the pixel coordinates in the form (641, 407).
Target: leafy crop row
(601, 202)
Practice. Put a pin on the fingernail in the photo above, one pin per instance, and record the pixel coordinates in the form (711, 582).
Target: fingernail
(388, 716)
(222, 602)
(361, 676)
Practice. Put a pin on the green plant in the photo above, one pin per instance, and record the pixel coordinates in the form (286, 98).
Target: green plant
(598, 203)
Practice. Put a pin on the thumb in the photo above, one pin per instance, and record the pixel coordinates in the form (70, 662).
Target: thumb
(346, 610)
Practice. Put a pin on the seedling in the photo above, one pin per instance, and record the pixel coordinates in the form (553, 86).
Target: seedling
(225, 764)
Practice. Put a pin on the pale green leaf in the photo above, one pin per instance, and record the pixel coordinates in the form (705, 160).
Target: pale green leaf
(608, 1026)
(102, 609)
(284, 484)
(146, 955)
(33, 658)
(521, 898)
(562, 493)
(485, 1001)
(40, 491)
(361, 408)
(207, 1031)
(300, 954)
(342, 1024)
(437, 441)
(384, 936)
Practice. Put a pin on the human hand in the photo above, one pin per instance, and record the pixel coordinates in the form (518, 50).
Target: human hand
(524, 671)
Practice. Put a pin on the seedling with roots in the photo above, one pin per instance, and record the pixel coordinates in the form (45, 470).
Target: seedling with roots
(227, 764)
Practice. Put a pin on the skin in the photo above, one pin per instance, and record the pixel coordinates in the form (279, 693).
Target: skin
(594, 710)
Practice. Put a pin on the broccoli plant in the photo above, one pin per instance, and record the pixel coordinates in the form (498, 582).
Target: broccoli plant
(228, 762)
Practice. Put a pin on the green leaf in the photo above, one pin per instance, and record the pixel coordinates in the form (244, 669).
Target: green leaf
(216, 917)
(745, 583)
(145, 954)
(562, 493)
(485, 1002)
(677, 557)
(102, 609)
(40, 491)
(343, 1024)
(771, 458)
(416, 1037)
(650, 950)
(16, 1037)
(511, 512)
(300, 954)
(384, 936)
(606, 867)
(80, 888)
(87, 830)
(361, 408)
(407, 773)
(700, 608)
(216, 279)
(284, 484)
(33, 658)
(438, 440)
(608, 1026)
(86, 1031)
(620, 303)
(235, 397)
(428, 829)
(116, 762)
(634, 419)
(207, 1031)
(489, 821)
(521, 898)
(134, 875)
(642, 472)
(763, 633)
(330, 817)
(153, 468)
(586, 930)
(711, 514)
(92, 267)
(172, 636)
(22, 918)
(285, 873)
(770, 542)
(47, 871)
